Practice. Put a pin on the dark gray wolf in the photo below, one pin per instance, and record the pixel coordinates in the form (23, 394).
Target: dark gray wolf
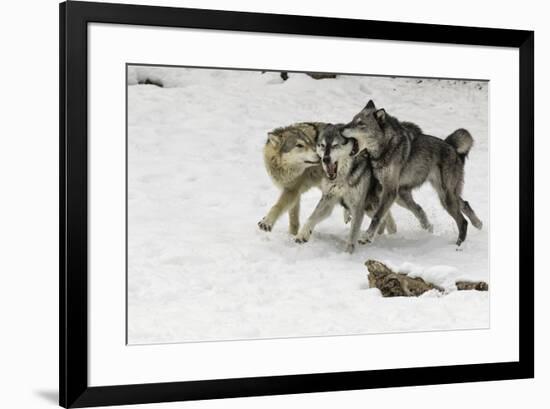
(404, 158)
(292, 163)
(348, 181)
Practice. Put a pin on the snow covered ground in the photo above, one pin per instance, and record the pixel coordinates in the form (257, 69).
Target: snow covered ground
(198, 266)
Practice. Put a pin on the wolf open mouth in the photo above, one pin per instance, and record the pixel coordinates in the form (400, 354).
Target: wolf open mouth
(311, 162)
(332, 169)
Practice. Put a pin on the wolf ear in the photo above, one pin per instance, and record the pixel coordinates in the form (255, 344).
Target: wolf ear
(274, 139)
(380, 116)
(370, 105)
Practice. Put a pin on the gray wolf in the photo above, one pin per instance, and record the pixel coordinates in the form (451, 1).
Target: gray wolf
(347, 182)
(292, 162)
(404, 158)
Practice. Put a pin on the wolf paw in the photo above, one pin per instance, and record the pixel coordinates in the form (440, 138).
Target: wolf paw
(303, 237)
(347, 216)
(265, 225)
(350, 248)
(293, 229)
(428, 227)
(366, 238)
(478, 224)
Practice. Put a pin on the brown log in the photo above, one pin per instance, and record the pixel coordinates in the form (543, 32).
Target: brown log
(392, 284)
(314, 75)
(150, 81)
(472, 285)
(320, 76)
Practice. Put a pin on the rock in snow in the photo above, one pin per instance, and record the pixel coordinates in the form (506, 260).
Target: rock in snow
(395, 284)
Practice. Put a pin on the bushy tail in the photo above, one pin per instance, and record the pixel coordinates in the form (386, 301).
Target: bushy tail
(462, 141)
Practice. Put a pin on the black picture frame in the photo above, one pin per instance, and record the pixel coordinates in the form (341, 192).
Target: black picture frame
(73, 349)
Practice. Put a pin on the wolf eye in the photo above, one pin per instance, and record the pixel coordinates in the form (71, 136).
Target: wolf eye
(335, 145)
(321, 145)
(299, 145)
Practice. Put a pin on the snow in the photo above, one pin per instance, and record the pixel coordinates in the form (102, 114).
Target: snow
(199, 268)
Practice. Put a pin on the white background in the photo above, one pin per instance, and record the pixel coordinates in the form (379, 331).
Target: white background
(28, 223)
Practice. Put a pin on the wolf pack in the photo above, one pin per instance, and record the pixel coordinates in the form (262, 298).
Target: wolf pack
(365, 166)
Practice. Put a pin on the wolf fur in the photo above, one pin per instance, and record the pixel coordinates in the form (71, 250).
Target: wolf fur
(404, 158)
(292, 163)
(347, 181)
(294, 167)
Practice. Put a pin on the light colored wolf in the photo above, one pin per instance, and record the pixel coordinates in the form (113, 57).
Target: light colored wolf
(404, 158)
(292, 163)
(294, 167)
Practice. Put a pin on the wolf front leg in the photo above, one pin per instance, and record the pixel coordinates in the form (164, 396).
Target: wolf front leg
(356, 221)
(321, 212)
(389, 194)
(388, 224)
(391, 227)
(286, 200)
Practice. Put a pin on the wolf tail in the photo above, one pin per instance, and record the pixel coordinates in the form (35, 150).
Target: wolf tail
(462, 141)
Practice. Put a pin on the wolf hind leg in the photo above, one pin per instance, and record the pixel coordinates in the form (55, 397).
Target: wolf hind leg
(294, 218)
(451, 202)
(405, 199)
(470, 214)
(382, 228)
(391, 227)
